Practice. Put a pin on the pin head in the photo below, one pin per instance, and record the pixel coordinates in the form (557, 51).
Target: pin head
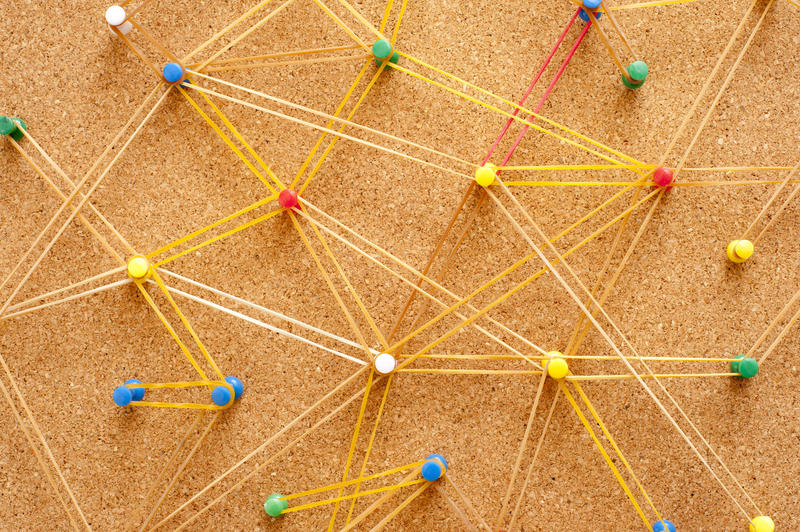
(739, 250)
(663, 177)
(274, 506)
(383, 50)
(385, 363)
(744, 249)
(486, 174)
(638, 71)
(138, 267)
(557, 367)
(221, 395)
(745, 366)
(115, 15)
(591, 4)
(434, 467)
(288, 198)
(123, 396)
(173, 72)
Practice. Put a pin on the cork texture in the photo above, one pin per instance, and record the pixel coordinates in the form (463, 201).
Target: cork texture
(76, 84)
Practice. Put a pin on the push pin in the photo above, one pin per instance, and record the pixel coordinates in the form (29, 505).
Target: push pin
(383, 51)
(288, 198)
(123, 395)
(486, 174)
(638, 71)
(762, 523)
(557, 368)
(385, 363)
(221, 395)
(663, 178)
(12, 127)
(745, 366)
(138, 268)
(663, 526)
(117, 18)
(174, 73)
(739, 251)
(434, 467)
(275, 506)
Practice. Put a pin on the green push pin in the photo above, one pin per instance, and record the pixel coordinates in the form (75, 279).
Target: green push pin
(274, 506)
(11, 127)
(638, 71)
(382, 50)
(746, 367)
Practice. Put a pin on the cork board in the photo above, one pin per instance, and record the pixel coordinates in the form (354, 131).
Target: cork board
(76, 84)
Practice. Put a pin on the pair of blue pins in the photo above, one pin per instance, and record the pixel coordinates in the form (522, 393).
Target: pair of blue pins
(220, 395)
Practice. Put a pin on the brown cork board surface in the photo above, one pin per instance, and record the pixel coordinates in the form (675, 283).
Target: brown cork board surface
(76, 84)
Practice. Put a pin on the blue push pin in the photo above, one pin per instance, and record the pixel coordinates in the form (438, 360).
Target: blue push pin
(124, 395)
(663, 526)
(589, 4)
(434, 467)
(222, 396)
(173, 73)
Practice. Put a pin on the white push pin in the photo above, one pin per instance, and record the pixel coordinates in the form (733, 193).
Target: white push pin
(116, 17)
(385, 363)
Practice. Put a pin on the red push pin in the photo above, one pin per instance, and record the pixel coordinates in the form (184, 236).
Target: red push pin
(288, 198)
(662, 177)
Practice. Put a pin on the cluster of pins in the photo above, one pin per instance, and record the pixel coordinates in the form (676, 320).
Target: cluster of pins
(746, 367)
(738, 251)
(133, 390)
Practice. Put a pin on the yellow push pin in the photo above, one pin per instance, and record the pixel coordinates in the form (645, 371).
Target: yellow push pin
(762, 523)
(486, 174)
(739, 250)
(138, 267)
(557, 368)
